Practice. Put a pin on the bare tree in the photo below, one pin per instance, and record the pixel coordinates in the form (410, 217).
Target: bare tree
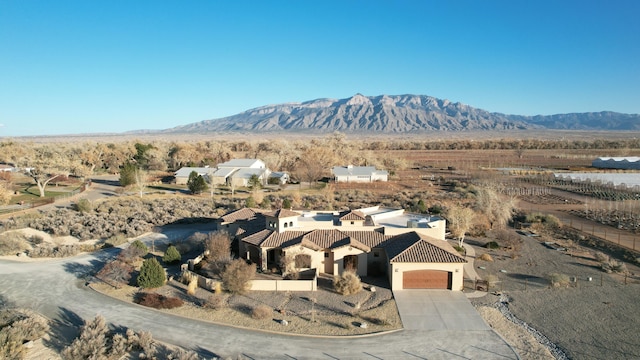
(497, 209)
(5, 193)
(314, 164)
(459, 219)
(218, 243)
(46, 163)
(140, 181)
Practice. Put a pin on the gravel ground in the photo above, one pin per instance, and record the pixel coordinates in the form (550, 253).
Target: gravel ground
(594, 319)
(335, 314)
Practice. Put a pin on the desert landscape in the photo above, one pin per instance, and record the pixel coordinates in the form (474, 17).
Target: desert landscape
(539, 297)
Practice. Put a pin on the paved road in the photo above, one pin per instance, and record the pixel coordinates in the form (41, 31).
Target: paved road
(56, 289)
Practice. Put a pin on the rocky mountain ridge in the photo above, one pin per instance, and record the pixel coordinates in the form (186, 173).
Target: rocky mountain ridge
(398, 114)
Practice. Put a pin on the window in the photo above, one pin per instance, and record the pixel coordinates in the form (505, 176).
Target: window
(285, 225)
(290, 223)
(326, 254)
(353, 223)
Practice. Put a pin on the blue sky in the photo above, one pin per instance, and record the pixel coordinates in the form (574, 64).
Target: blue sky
(113, 66)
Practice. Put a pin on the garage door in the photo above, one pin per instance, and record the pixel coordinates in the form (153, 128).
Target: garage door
(426, 279)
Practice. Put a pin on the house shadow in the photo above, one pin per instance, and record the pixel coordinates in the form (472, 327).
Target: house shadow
(63, 329)
(83, 271)
(106, 182)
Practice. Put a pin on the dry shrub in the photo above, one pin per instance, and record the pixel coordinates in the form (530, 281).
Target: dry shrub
(116, 273)
(16, 328)
(347, 284)
(237, 275)
(261, 312)
(180, 354)
(559, 280)
(43, 251)
(217, 302)
(218, 245)
(613, 266)
(158, 301)
(187, 277)
(12, 243)
(485, 257)
(192, 286)
(600, 257)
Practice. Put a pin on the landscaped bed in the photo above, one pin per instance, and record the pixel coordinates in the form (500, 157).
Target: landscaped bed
(330, 314)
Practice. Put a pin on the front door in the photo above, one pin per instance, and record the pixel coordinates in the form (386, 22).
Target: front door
(351, 263)
(328, 262)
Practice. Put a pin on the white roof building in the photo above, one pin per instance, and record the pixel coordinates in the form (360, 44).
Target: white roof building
(358, 174)
(628, 163)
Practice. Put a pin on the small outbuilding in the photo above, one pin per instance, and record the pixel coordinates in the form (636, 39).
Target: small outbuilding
(352, 173)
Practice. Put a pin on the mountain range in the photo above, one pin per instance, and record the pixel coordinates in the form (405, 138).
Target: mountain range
(398, 114)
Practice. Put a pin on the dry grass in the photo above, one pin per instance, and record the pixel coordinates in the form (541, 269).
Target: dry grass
(485, 257)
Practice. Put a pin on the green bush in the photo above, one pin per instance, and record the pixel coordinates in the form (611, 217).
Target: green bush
(492, 245)
(140, 245)
(250, 202)
(196, 183)
(171, 255)
(151, 275)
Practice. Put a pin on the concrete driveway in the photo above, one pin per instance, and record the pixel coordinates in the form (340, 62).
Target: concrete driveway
(437, 310)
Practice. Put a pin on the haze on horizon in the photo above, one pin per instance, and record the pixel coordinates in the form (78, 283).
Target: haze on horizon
(73, 67)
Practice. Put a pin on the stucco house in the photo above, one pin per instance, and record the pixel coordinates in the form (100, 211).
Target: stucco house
(352, 173)
(370, 241)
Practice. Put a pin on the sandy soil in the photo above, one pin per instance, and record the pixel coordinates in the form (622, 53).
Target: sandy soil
(589, 319)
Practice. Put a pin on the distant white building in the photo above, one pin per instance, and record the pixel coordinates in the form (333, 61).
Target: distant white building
(182, 175)
(235, 172)
(358, 174)
(626, 163)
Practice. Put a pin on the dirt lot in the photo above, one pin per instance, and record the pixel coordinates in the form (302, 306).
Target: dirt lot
(589, 319)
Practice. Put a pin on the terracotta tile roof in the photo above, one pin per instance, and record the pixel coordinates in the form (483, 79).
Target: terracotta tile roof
(411, 247)
(257, 238)
(325, 238)
(349, 241)
(369, 238)
(353, 215)
(286, 239)
(237, 215)
(282, 213)
(303, 242)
